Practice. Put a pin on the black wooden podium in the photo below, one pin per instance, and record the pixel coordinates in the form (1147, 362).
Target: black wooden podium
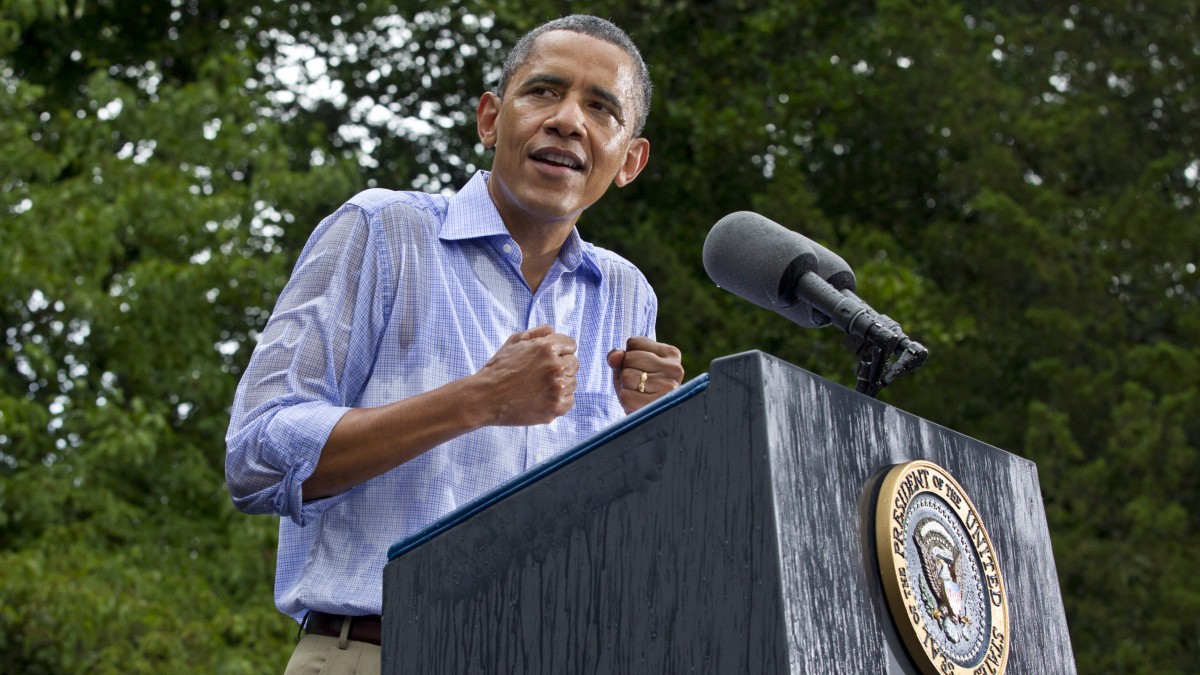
(729, 528)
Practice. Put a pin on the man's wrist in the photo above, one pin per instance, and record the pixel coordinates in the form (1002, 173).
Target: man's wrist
(471, 403)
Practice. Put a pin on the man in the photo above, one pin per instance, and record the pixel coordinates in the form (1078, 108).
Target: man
(427, 349)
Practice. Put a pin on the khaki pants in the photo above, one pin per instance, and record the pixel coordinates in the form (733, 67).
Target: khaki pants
(324, 655)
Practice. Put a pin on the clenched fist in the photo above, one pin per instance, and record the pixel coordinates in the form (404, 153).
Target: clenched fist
(644, 371)
(531, 379)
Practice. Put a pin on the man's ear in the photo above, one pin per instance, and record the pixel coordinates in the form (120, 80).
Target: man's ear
(636, 157)
(485, 118)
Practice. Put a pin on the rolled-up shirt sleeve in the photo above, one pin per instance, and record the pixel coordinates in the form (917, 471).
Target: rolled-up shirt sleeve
(309, 367)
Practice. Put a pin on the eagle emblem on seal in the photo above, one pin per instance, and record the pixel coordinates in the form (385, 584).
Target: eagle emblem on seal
(942, 563)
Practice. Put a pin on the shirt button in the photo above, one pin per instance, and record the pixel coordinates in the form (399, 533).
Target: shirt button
(508, 248)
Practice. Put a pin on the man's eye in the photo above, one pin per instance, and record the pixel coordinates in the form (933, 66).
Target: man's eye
(603, 108)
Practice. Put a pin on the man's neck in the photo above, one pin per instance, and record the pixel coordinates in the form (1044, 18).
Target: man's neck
(540, 245)
(535, 268)
(540, 240)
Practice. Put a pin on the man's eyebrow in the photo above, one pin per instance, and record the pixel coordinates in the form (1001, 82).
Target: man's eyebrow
(599, 92)
(610, 98)
(545, 78)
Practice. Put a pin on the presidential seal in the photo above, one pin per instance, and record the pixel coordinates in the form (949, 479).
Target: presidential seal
(940, 573)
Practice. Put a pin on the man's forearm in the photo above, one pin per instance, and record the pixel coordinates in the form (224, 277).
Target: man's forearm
(530, 380)
(368, 442)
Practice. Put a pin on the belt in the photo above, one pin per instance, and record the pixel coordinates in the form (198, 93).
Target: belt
(362, 628)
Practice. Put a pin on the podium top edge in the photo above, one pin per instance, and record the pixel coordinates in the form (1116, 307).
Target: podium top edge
(693, 387)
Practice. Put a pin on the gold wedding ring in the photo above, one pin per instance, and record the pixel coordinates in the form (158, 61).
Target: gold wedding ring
(642, 382)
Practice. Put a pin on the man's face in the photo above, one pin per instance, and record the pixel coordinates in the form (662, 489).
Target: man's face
(563, 132)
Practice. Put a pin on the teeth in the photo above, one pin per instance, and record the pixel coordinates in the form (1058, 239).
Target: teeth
(559, 159)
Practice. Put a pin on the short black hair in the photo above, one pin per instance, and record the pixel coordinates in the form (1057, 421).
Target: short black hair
(592, 26)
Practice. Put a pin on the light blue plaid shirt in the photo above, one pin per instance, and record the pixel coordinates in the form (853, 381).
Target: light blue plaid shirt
(395, 294)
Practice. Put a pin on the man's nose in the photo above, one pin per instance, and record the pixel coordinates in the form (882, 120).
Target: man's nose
(568, 118)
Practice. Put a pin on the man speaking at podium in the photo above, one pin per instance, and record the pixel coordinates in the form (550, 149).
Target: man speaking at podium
(427, 348)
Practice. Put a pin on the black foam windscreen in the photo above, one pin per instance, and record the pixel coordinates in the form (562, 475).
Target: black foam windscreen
(761, 261)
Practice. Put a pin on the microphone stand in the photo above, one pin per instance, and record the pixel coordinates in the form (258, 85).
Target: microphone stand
(875, 337)
(876, 346)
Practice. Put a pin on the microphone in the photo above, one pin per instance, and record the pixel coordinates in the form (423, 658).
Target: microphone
(781, 270)
(762, 262)
(784, 271)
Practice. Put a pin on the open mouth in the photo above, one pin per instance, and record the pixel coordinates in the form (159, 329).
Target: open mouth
(552, 158)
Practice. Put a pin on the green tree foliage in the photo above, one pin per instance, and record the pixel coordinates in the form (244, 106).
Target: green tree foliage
(1015, 182)
(150, 191)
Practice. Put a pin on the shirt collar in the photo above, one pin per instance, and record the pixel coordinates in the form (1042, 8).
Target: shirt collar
(471, 214)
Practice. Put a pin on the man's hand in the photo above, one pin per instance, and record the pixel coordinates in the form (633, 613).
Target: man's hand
(531, 379)
(644, 371)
